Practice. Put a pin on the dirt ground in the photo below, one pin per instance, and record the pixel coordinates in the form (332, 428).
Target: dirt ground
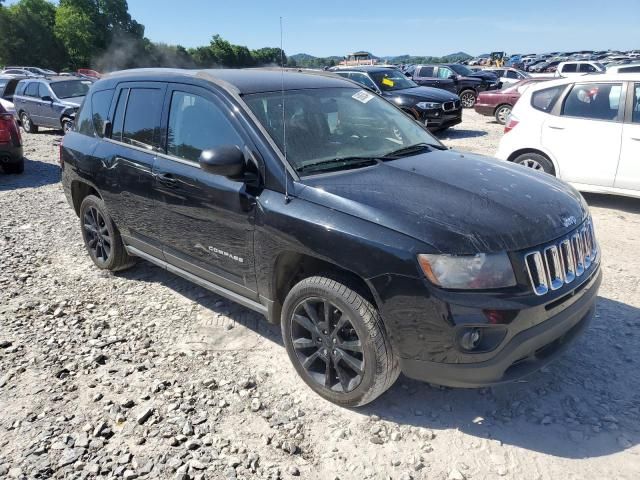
(142, 374)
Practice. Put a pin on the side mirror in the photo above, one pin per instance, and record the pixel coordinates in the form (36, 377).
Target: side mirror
(47, 98)
(453, 77)
(226, 160)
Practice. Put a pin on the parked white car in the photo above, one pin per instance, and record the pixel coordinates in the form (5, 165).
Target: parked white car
(626, 68)
(507, 75)
(584, 130)
(578, 67)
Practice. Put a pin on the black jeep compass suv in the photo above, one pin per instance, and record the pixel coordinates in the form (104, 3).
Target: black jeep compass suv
(327, 209)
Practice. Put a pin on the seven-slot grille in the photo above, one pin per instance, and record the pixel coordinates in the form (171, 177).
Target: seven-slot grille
(559, 264)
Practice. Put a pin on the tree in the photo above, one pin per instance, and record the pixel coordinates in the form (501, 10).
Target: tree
(74, 29)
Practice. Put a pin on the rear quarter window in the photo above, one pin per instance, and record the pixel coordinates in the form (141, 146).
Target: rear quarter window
(545, 99)
(93, 113)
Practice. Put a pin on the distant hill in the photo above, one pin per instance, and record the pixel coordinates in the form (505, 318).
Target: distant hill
(306, 60)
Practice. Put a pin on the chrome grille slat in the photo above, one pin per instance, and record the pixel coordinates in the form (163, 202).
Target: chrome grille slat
(561, 263)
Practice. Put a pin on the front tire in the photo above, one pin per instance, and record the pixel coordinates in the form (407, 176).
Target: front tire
(66, 126)
(468, 98)
(535, 161)
(337, 342)
(101, 237)
(27, 124)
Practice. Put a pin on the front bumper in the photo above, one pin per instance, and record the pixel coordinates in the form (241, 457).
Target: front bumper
(526, 352)
(439, 120)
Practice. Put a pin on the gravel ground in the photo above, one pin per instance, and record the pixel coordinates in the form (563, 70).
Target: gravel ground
(142, 374)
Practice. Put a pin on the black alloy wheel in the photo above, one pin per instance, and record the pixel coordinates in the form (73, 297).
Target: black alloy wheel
(327, 345)
(97, 234)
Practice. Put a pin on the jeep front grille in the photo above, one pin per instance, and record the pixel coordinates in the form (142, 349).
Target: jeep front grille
(556, 265)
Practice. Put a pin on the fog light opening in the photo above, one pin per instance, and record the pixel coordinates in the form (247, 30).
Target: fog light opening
(470, 339)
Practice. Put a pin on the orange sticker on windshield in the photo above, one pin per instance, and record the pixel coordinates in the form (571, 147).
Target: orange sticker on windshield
(387, 82)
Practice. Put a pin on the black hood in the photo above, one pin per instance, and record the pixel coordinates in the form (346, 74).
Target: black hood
(422, 94)
(457, 203)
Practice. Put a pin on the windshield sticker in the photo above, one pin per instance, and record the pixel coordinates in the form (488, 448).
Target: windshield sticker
(388, 82)
(363, 96)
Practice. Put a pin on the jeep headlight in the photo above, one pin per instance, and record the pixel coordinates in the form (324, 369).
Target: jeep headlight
(480, 271)
(428, 105)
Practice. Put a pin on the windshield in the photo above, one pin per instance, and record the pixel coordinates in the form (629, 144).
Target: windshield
(461, 70)
(71, 88)
(336, 128)
(392, 79)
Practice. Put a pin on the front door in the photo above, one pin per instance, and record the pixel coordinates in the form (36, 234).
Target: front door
(585, 137)
(207, 219)
(628, 176)
(47, 111)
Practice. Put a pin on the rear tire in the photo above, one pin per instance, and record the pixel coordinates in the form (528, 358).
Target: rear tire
(468, 98)
(337, 342)
(27, 124)
(14, 167)
(502, 112)
(535, 161)
(101, 237)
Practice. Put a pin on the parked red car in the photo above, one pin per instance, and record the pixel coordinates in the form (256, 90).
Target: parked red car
(11, 159)
(498, 103)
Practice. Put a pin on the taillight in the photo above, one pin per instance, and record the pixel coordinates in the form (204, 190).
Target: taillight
(9, 131)
(510, 124)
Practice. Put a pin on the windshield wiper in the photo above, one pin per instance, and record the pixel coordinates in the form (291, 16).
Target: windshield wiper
(412, 149)
(336, 164)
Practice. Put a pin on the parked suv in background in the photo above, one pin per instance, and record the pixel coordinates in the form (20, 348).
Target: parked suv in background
(584, 130)
(433, 107)
(8, 85)
(49, 102)
(576, 68)
(455, 78)
(327, 209)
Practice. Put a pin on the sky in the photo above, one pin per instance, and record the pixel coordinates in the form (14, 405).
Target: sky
(383, 27)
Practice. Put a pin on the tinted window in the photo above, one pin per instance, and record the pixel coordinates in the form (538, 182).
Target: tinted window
(32, 89)
(569, 68)
(197, 124)
(587, 68)
(512, 74)
(83, 122)
(43, 91)
(444, 72)
(3, 84)
(21, 88)
(426, 72)
(9, 89)
(497, 73)
(362, 79)
(635, 117)
(71, 88)
(100, 103)
(545, 99)
(634, 69)
(142, 118)
(598, 101)
(118, 121)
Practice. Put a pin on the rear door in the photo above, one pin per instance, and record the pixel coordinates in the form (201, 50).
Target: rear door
(628, 175)
(585, 134)
(30, 102)
(207, 219)
(126, 179)
(447, 79)
(425, 76)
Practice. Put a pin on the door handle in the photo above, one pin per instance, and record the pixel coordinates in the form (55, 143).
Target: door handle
(167, 179)
(556, 128)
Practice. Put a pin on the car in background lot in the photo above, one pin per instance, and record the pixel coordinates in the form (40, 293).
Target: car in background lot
(11, 155)
(18, 72)
(8, 84)
(573, 69)
(455, 78)
(49, 102)
(498, 103)
(627, 68)
(584, 130)
(507, 76)
(435, 108)
(40, 72)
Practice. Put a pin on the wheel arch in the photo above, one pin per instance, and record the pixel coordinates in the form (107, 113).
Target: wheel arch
(79, 191)
(292, 267)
